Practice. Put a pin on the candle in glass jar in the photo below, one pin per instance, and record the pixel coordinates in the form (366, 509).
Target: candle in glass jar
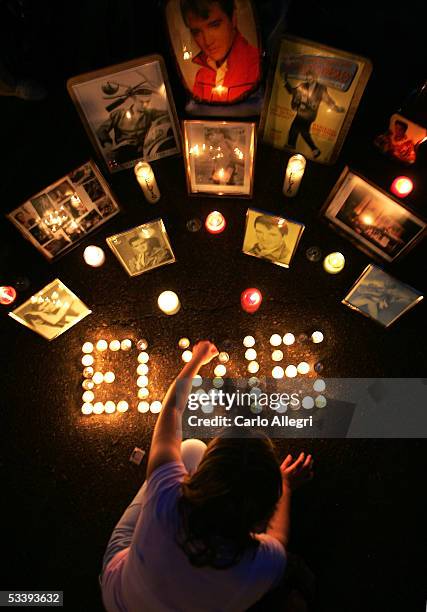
(215, 222)
(145, 177)
(293, 175)
(334, 263)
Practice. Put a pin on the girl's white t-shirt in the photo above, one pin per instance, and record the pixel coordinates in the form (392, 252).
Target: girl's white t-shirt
(155, 575)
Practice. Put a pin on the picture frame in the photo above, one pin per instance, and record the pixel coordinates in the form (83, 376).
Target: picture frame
(237, 38)
(56, 219)
(219, 157)
(142, 248)
(51, 311)
(372, 219)
(128, 112)
(402, 139)
(312, 96)
(381, 297)
(270, 237)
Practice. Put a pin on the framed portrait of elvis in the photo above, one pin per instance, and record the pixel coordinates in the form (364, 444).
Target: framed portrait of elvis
(312, 96)
(217, 51)
(128, 112)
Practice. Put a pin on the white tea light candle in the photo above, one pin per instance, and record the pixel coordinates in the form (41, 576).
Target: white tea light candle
(334, 263)
(168, 302)
(94, 256)
(293, 175)
(145, 177)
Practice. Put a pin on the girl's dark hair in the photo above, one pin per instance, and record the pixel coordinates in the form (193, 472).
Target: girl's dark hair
(232, 494)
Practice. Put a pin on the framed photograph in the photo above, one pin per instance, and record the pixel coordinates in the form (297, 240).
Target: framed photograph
(55, 219)
(401, 140)
(381, 297)
(51, 311)
(128, 111)
(377, 223)
(219, 157)
(216, 47)
(312, 97)
(142, 248)
(270, 237)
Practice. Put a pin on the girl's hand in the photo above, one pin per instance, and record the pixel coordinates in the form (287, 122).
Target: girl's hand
(297, 472)
(204, 351)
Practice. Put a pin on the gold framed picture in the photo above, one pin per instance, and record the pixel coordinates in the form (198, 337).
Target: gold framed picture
(142, 248)
(128, 111)
(219, 157)
(51, 311)
(270, 237)
(312, 97)
(381, 297)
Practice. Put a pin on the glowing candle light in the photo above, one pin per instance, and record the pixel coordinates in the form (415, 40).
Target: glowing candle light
(320, 401)
(110, 407)
(126, 344)
(303, 368)
(142, 344)
(7, 295)
(145, 177)
(87, 347)
(277, 372)
(402, 186)
(288, 339)
(253, 367)
(88, 384)
(218, 382)
(317, 337)
(98, 378)
(114, 345)
(168, 302)
(248, 341)
(183, 343)
(87, 360)
(250, 300)
(155, 407)
(143, 407)
(319, 385)
(94, 256)
(215, 222)
(143, 393)
(88, 396)
(109, 377)
(143, 357)
(334, 263)
(291, 371)
(122, 406)
(250, 354)
(98, 408)
(276, 340)
(223, 357)
(142, 369)
(308, 402)
(87, 408)
(220, 370)
(277, 355)
(187, 356)
(88, 372)
(142, 381)
(293, 175)
(197, 381)
(101, 346)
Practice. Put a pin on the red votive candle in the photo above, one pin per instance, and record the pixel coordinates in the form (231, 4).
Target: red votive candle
(7, 295)
(251, 299)
(215, 222)
(401, 186)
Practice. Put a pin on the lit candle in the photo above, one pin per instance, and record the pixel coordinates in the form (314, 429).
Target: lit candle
(88, 396)
(183, 343)
(250, 354)
(187, 356)
(277, 355)
(197, 381)
(115, 345)
(98, 408)
(142, 369)
(293, 176)
(307, 402)
(7, 295)
(101, 346)
(320, 401)
(87, 347)
(223, 357)
(317, 337)
(109, 377)
(87, 408)
(94, 256)
(88, 372)
(122, 406)
(250, 300)
(126, 344)
(277, 372)
(87, 384)
(145, 177)
(143, 407)
(303, 367)
(142, 344)
(334, 263)
(143, 393)
(110, 407)
(248, 341)
(87, 360)
(98, 378)
(143, 357)
(253, 367)
(402, 186)
(276, 340)
(291, 371)
(142, 381)
(155, 407)
(168, 302)
(220, 370)
(215, 222)
(288, 339)
(218, 382)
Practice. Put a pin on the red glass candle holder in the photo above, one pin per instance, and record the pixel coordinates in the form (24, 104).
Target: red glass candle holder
(250, 300)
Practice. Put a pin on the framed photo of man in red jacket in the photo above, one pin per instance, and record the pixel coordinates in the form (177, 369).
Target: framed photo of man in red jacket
(216, 47)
